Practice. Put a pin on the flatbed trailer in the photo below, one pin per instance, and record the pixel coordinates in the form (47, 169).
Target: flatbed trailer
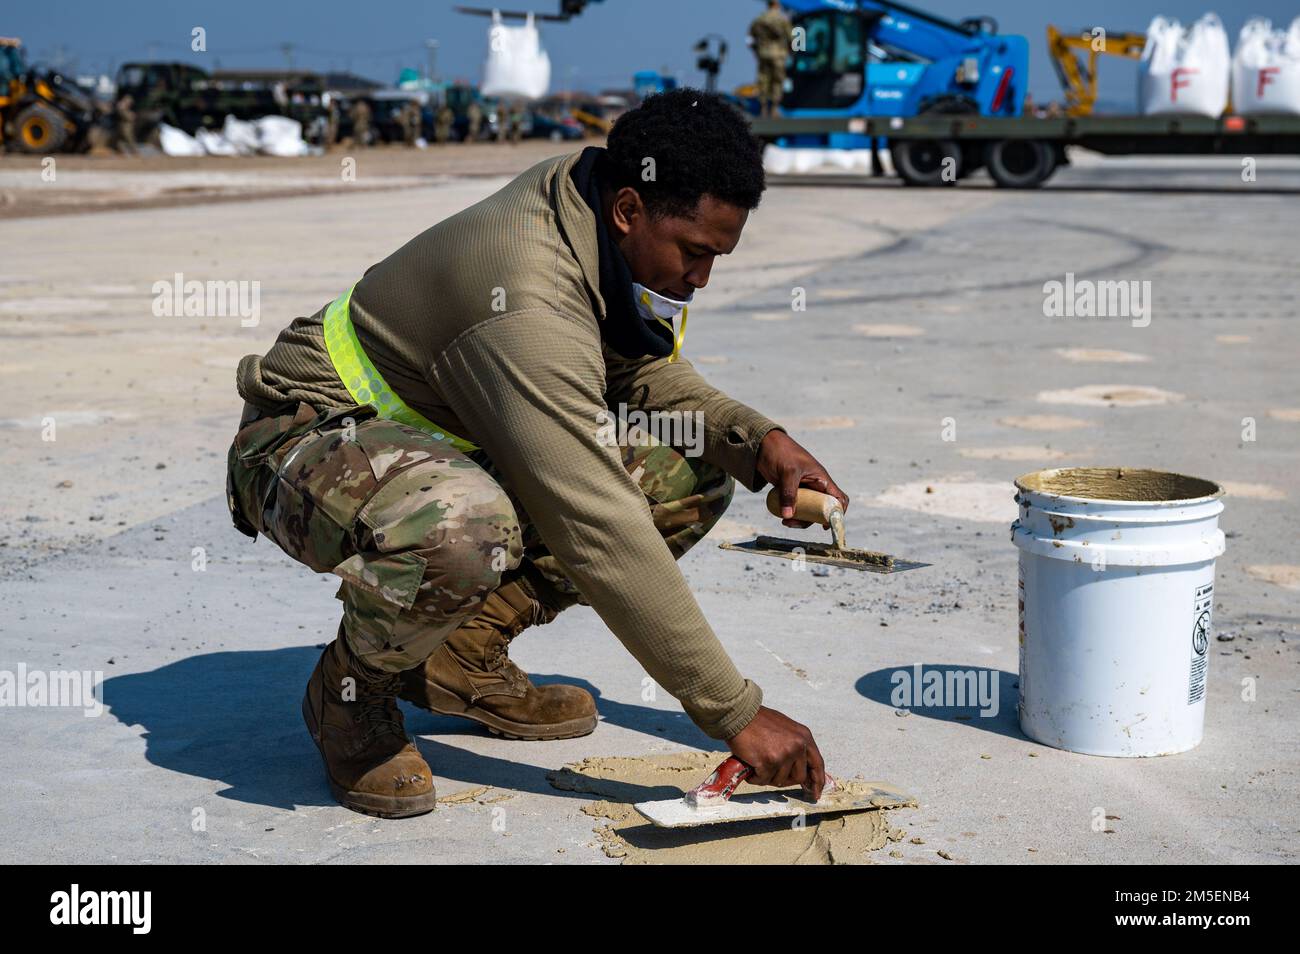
(1022, 153)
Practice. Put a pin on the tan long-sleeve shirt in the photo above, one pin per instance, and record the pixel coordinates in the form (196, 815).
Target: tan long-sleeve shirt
(489, 324)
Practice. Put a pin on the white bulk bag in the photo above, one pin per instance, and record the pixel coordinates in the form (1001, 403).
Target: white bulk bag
(280, 136)
(214, 143)
(177, 142)
(516, 65)
(1184, 71)
(241, 135)
(777, 160)
(1266, 69)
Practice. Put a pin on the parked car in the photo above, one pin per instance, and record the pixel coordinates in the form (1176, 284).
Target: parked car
(555, 129)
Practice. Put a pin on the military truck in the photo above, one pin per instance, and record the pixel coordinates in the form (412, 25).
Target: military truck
(186, 97)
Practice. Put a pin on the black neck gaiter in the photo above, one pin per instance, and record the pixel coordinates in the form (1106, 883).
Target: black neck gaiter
(623, 328)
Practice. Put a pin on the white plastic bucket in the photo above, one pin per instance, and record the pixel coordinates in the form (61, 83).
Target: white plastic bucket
(1116, 597)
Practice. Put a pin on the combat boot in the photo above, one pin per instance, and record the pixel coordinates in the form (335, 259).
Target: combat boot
(471, 675)
(371, 763)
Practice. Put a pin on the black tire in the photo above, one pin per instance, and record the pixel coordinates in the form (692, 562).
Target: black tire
(39, 130)
(949, 104)
(954, 104)
(921, 162)
(1020, 163)
(972, 160)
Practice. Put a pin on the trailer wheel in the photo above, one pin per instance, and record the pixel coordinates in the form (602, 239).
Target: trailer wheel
(40, 129)
(952, 104)
(926, 162)
(1020, 163)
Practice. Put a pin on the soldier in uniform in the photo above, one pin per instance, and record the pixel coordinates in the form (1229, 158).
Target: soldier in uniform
(474, 113)
(442, 130)
(503, 493)
(331, 121)
(516, 131)
(770, 35)
(412, 123)
(360, 116)
(124, 113)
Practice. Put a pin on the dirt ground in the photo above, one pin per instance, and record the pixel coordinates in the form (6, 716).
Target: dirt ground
(95, 183)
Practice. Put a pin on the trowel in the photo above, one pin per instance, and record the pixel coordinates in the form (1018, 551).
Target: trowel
(714, 801)
(815, 507)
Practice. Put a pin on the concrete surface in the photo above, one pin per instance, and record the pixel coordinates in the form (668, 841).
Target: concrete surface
(204, 668)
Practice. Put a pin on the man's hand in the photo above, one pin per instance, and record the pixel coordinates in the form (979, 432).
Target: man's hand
(781, 752)
(787, 467)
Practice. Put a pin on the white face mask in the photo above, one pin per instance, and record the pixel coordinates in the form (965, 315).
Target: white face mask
(653, 306)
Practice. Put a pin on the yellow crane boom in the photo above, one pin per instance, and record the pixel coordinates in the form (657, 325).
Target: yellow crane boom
(1079, 79)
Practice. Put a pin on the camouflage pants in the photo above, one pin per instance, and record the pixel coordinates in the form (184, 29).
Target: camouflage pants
(771, 80)
(418, 532)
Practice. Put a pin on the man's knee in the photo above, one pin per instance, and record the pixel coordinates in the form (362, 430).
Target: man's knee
(456, 518)
(437, 539)
(717, 488)
(685, 521)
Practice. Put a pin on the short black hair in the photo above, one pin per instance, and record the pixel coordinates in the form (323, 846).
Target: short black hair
(700, 145)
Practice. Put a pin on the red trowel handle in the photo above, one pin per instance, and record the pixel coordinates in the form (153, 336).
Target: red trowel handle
(719, 786)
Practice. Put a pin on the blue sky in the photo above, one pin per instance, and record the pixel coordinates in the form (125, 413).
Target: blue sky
(602, 48)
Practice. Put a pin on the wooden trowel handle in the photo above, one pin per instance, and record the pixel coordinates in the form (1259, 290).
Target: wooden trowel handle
(811, 506)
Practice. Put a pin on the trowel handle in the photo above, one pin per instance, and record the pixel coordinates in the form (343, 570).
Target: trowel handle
(719, 786)
(811, 506)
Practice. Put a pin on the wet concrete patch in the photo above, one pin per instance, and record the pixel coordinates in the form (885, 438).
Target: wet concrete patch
(976, 501)
(1284, 575)
(1019, 452)
(1235, 488)
(1111, 395)
(1100, 355)
(624, 833)
(1044, 422)
(889, 331)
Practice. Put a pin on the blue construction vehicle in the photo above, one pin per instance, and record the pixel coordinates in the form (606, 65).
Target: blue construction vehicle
(879, 58)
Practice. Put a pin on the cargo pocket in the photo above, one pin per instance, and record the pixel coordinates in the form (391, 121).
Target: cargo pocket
(234, 493)
(376, 590)
(248, 481)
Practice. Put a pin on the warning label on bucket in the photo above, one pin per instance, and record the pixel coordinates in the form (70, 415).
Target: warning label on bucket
(1201, 610)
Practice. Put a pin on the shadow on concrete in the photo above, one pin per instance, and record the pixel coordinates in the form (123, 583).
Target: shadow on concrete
(234, 717)
(898, 688)
(229, 716)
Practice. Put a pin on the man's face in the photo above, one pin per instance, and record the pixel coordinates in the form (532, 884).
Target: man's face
(673, 255)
